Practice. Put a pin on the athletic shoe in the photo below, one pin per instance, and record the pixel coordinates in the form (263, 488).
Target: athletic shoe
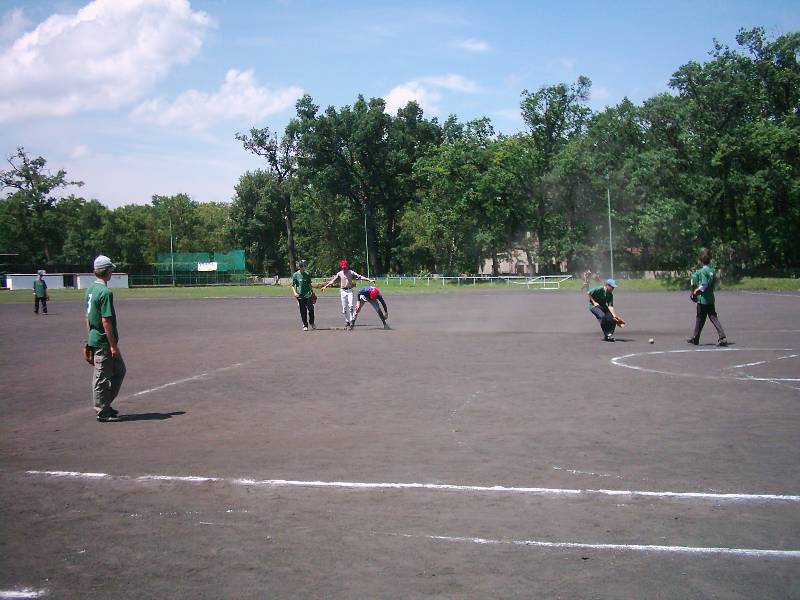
(313, 326)
(305, 328)
(693, 341)
(106, 416)
(723, 342)
(609, 338)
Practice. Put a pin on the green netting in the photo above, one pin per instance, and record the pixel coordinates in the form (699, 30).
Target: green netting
(184, 262)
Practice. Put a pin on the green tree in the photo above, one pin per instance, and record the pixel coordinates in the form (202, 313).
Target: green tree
(33, 186)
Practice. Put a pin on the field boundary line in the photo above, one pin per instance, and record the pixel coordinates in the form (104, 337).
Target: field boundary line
(435, 487)
(646, 548)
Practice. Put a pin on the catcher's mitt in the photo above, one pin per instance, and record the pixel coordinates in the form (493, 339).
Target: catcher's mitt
(88, 354)
(619, 321)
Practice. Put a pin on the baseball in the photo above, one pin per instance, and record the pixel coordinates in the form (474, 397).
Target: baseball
(652, 341)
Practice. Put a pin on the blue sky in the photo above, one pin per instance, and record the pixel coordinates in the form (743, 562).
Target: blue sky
(143, 97)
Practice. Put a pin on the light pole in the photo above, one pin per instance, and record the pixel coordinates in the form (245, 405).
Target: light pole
(171, 253)
(366, 240)
(610, 243)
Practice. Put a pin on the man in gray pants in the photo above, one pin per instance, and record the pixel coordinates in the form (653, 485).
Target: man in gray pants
(103, 351)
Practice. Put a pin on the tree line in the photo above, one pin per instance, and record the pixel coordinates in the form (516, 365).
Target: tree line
(714, 163)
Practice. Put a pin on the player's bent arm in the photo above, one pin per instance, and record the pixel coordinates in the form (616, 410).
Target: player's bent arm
(112, 340)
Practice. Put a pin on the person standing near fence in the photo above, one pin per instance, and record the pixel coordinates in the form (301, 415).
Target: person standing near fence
(345, 277)
(40, 294)
(304, 294)
(102, 344)
(706, 280)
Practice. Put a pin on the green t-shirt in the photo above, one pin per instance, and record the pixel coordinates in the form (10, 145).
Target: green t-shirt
(693, 278)
(39, 288)
(99, 302)
(601, 296)
(301, 282)
(707, 277)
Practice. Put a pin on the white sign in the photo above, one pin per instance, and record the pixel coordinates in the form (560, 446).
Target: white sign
(207, 266)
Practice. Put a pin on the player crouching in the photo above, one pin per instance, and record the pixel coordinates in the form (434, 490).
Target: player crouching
(601, 303)
(372, 295)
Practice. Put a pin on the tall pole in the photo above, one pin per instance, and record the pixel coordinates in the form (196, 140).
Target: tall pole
(366, 240)
(171, 253)
(610, 242)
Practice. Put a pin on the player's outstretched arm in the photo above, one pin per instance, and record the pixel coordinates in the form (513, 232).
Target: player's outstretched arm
(331, 282)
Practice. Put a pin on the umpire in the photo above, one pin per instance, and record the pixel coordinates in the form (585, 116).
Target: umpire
(706, 280)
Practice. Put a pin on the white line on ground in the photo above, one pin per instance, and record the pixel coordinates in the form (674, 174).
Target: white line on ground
(618, 361)
(24, 593)
(763, 362)
(787, 295)
(748, 552)
(436, 487)
(188, 379)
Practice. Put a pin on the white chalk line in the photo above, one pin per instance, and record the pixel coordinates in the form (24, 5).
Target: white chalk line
(763, 362)
(188, 379)
(23, 593)
(646, 548)
(787, 295)
(436, 487)
(617, 361)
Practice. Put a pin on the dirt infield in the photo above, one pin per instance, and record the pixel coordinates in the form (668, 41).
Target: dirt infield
(259, 461)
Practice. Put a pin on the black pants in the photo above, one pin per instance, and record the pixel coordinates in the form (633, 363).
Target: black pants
(36, 305)
(703, 311)
(606, 319)
(306, 310)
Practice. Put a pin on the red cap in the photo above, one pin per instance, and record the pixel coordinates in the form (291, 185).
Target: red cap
(343, 264)
(373, 293)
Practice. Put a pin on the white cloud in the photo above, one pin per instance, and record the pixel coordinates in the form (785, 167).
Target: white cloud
(568, 64)
(107, 54)
(79, 151)
(12, 25)
(404, 93)
(239, 97)
(426, 91)
(473, 45)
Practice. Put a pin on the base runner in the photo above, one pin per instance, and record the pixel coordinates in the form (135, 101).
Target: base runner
(345, 277)
(372, 295)
(601, 303)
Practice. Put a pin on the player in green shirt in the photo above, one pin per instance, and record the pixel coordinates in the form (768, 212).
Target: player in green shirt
(40, 294)
(601, 304)
(103, 339)
(706, 280)
(302, 292)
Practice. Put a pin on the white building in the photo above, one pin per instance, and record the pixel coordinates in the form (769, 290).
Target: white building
(58, 281)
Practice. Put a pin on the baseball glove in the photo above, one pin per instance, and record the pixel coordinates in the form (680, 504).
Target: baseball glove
(88, 354)
(313, 298)
(619, 321)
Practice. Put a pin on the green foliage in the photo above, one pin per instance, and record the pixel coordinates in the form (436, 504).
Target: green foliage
(715, 163)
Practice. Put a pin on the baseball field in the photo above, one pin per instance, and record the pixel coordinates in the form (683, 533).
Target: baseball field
(489, 445)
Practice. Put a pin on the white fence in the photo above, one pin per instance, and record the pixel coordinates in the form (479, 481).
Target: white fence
(541, 282)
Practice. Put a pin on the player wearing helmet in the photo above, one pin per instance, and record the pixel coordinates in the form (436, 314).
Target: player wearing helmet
(372, 295)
